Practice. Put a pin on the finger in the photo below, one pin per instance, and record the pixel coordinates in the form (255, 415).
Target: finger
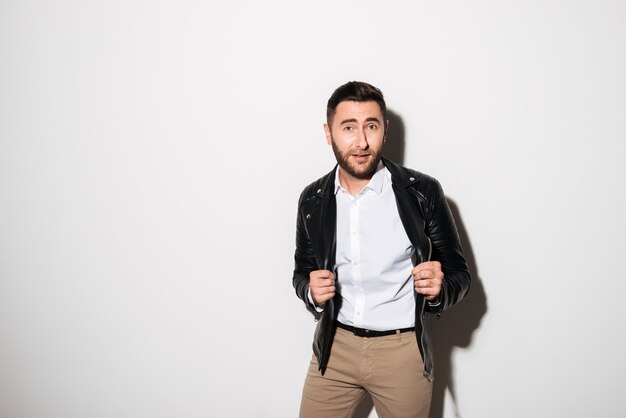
(435, 276)
(323, 298)
(430, 289)
(433, 265)
(322, 282)
(424, 274)
(326, 274)
(321, 274)
(427, 291)
(430, 282)
(426, 286)
(326, 290)
(428, 265)
(428, 274)
(320, 291)
(425, 283)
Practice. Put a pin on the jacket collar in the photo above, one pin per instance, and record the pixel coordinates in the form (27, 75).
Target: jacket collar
(401, 176)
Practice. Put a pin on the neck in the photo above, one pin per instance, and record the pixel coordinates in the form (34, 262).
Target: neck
(352, 184)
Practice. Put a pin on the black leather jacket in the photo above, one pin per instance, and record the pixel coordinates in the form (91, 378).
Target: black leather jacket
(430, 227)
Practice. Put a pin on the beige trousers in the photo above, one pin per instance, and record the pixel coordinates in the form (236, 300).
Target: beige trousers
(389, 368)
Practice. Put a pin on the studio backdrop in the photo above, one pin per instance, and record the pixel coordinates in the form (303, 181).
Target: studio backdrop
(151, 158)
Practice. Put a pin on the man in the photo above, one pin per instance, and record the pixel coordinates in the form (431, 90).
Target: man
(377, 255)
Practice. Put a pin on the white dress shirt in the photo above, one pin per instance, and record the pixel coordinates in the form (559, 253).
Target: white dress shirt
(373, 258)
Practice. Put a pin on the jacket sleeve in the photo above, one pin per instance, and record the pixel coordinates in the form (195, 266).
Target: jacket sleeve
(304, 261)
(446, 248)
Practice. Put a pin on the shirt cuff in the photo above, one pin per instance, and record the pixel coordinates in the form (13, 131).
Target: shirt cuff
(317, 308)
(434, 304)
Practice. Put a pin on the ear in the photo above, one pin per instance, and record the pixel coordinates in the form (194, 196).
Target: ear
(329, 138)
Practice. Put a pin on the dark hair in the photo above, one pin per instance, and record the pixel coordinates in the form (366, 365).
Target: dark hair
(355, 91)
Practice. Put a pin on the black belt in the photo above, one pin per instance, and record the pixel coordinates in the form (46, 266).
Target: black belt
(361, 332)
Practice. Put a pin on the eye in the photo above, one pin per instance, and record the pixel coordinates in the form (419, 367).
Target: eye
(348, 128)
(372, 126)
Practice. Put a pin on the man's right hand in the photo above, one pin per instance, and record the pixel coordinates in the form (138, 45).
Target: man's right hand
(322, 285)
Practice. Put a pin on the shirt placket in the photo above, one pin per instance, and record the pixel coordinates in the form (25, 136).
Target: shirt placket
(357, 278)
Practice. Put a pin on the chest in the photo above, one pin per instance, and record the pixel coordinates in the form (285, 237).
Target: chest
(370, 232)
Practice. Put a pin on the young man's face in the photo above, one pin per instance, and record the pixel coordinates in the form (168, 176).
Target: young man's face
(357, 136)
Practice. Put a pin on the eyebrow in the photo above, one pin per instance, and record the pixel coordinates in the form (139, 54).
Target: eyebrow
(352, 120)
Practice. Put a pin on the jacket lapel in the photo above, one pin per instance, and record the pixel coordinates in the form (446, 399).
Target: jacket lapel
(407, 202)
(320, 214)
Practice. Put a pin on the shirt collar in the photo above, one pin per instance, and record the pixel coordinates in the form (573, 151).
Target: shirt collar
(376, 182)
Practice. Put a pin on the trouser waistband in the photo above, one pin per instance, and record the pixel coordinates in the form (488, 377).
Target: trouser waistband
(367, 333)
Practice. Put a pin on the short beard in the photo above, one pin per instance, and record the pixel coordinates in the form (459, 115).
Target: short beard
(343, 161)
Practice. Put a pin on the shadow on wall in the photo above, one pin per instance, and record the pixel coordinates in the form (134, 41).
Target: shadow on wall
(456, 326)
(394, 147)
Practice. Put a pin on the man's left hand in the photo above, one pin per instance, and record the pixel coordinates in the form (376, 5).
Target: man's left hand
(427, 279)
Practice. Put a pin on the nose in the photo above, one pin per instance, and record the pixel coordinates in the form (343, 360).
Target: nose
(361, 139)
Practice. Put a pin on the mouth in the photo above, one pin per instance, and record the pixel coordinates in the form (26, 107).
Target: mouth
(360, 158)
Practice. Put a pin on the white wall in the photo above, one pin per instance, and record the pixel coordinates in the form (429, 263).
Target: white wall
(151, 157)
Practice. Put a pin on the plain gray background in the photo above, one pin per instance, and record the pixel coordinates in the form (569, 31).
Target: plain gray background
(152, 154)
